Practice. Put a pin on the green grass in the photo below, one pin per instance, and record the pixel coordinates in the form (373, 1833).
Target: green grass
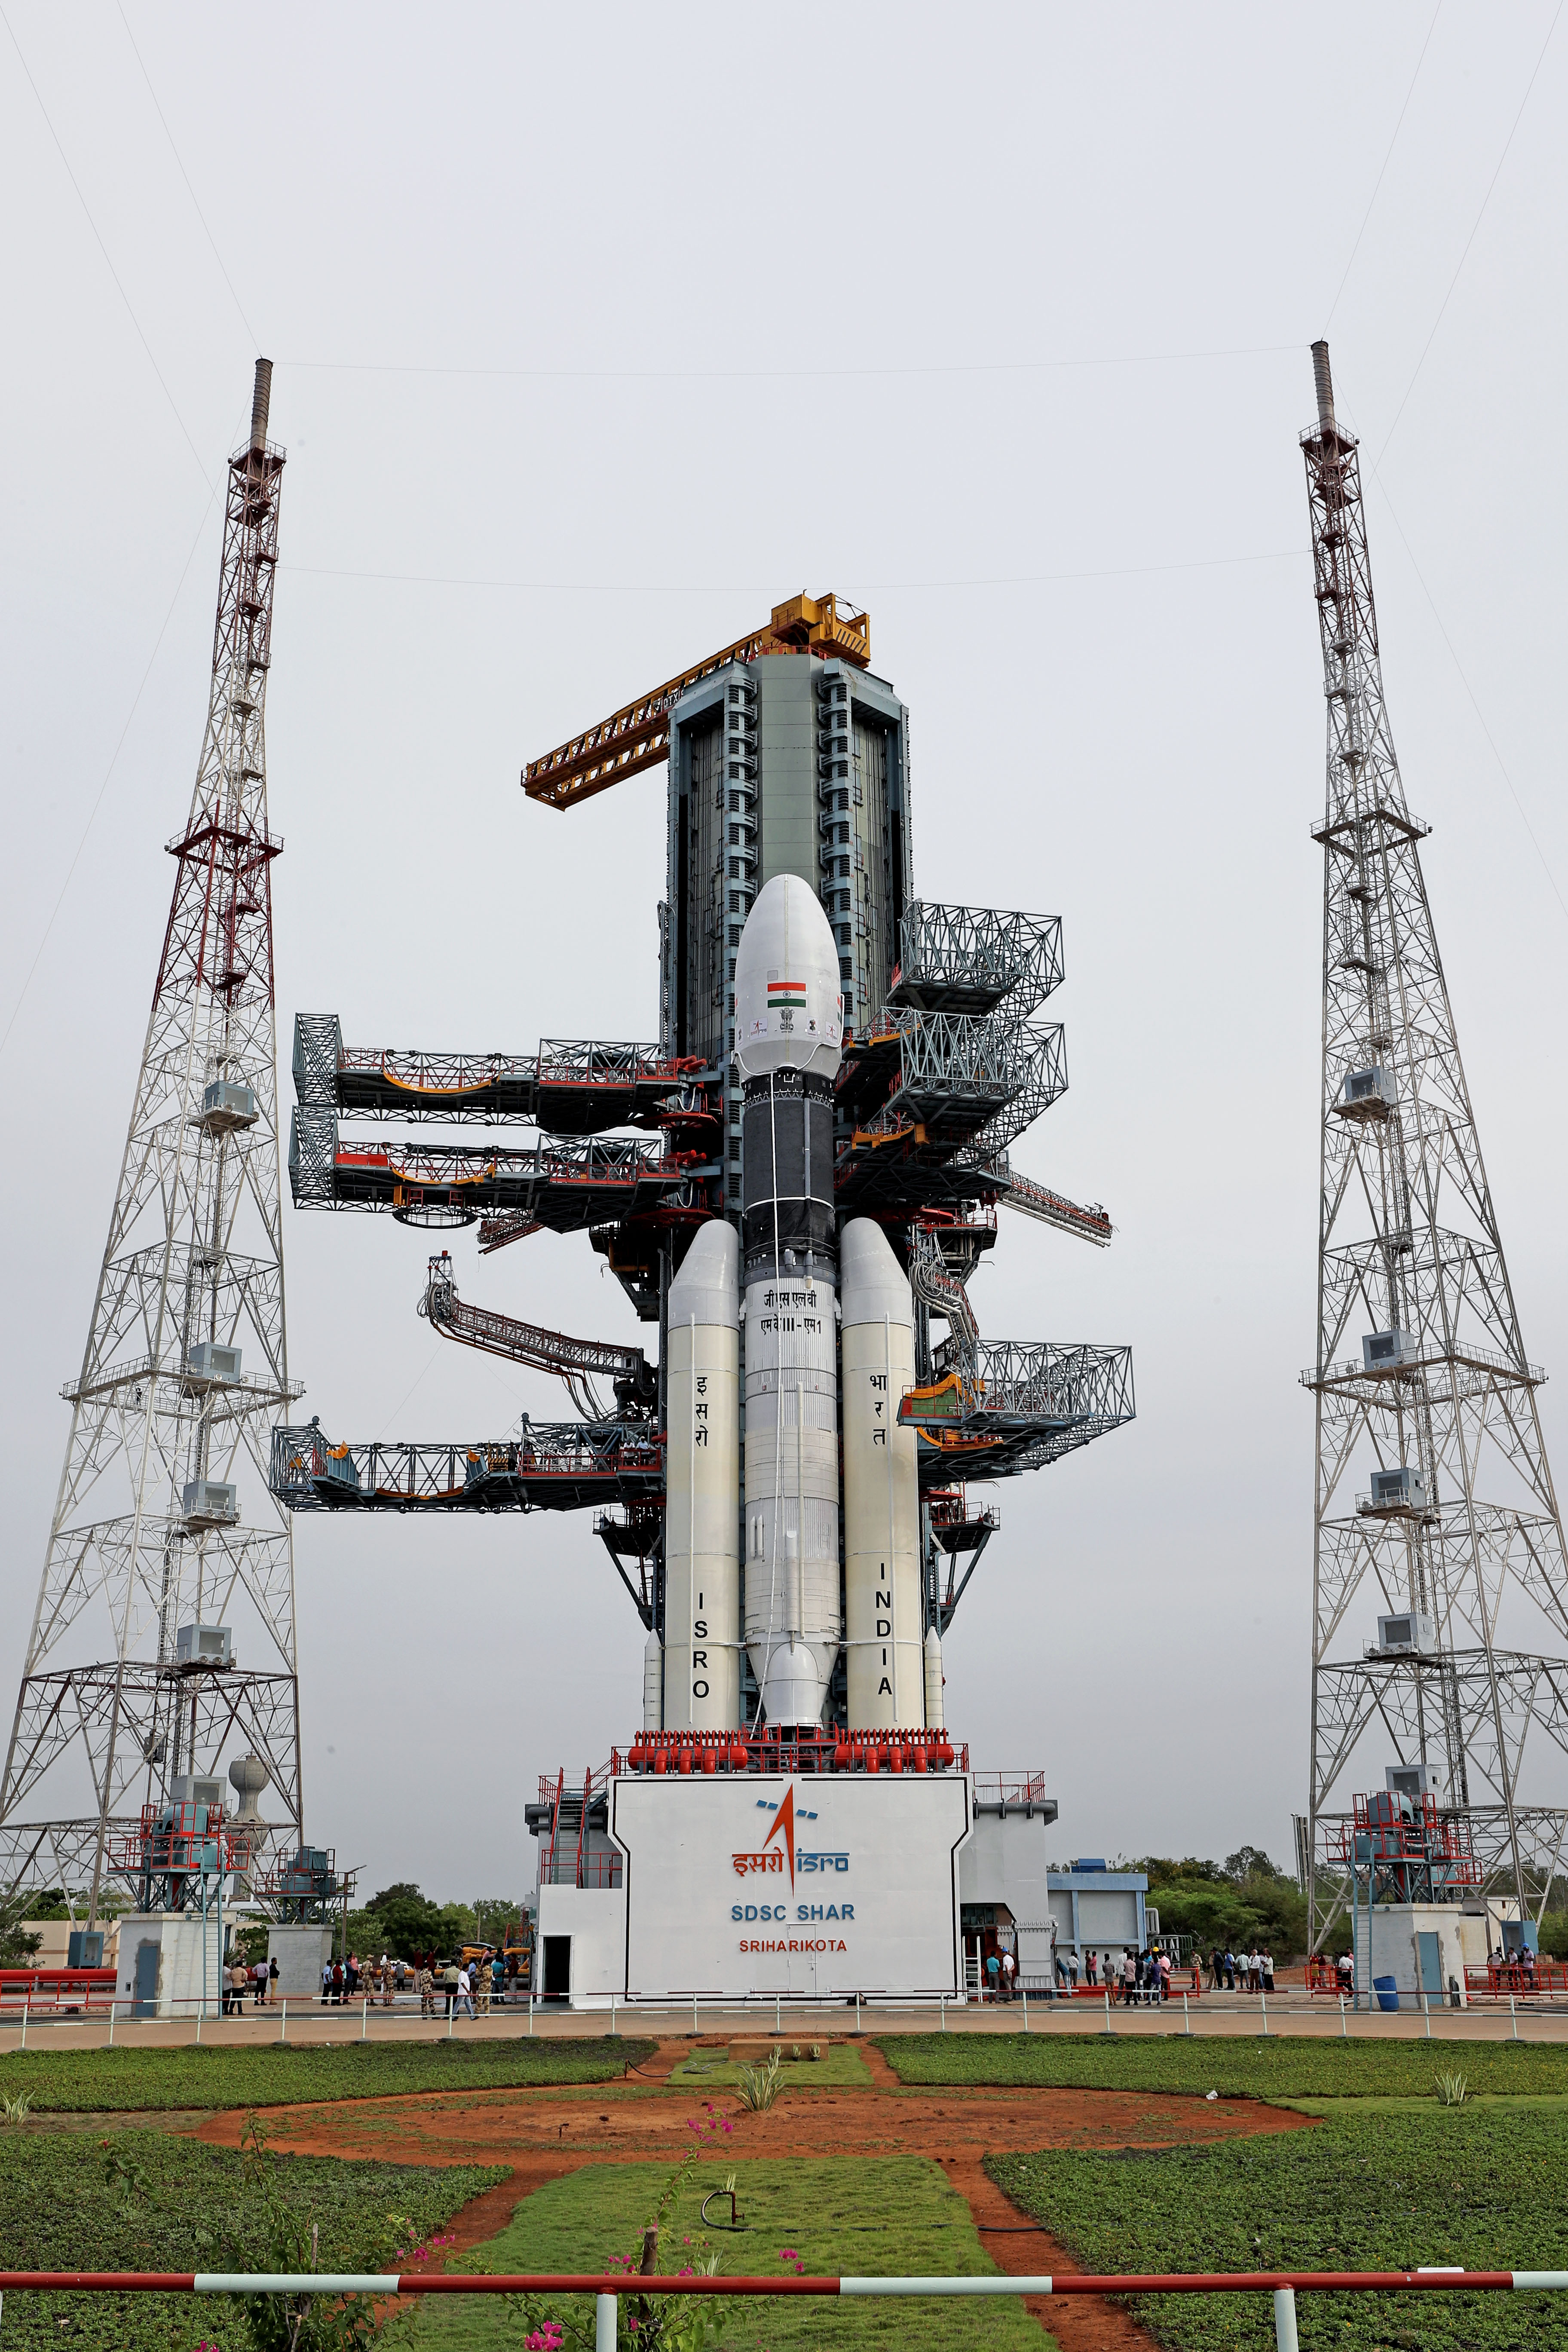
(272, 2075)
(183, 2209)
(1283, 2066)
(1390, 2190)
(839, 2068)
(886, 2213)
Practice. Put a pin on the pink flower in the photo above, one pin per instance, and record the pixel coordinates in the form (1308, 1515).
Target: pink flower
(728, 2125)
(788, 2254)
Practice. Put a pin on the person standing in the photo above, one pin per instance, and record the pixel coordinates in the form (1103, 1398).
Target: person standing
(426, 1985)
(1165, 1965)
(449, 1986)
(1129, 1976)
(466, 1989)
(1009, 1967)
(992, 1972)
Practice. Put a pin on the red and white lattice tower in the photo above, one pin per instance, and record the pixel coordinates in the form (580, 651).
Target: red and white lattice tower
(162, 1646)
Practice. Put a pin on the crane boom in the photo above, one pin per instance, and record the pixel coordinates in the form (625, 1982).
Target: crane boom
(638, 736)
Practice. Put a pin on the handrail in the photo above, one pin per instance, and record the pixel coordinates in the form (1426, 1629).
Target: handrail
(1446, 2278)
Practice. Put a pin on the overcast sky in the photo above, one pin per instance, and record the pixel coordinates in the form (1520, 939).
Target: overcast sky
(599, 332)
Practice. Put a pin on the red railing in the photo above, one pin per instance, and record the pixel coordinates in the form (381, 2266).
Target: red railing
(56, 1987)
(1283, 2285)
(1009, 1788)
(1500, 1977)
(803, 1751)
(1406, 1831)
(179, 1840)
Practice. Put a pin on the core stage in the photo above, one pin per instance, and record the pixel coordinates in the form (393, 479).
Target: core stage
(746, 1888)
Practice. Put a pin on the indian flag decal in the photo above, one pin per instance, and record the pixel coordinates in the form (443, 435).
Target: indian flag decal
(786, 991)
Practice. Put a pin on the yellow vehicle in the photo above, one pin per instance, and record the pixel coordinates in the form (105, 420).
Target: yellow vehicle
(516, 1949)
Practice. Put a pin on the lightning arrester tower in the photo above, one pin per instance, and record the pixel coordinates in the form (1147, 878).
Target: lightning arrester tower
(1455, 1546)
(162, 1646)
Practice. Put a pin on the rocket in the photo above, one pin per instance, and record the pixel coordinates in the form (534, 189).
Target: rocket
(789, 1033)
(778, 1286)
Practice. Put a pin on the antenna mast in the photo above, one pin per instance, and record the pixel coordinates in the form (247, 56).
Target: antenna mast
(1457, 1527)
(162, 1643)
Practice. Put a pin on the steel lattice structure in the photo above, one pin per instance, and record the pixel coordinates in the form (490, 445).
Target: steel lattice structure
(170, 1429)
(1466, 1532)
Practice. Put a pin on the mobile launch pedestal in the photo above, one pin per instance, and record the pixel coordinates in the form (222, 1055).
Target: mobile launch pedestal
(796, 1185)
(739, 1887)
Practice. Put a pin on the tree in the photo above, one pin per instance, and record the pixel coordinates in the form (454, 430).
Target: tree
(1241, 1902)
(16, 1944)
(406, 1923)
(493, 1914)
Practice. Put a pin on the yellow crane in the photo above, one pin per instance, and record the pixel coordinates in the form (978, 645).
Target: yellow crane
(637, 737)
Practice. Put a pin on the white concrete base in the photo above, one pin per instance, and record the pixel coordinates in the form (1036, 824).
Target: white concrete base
(1386, 1946)
(594, 1917)
(176, 1988)
(741, 1888)
(301, 1953)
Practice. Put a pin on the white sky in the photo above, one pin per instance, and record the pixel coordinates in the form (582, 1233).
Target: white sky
(597, 332)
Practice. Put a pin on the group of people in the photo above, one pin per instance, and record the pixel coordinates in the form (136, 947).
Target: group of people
(1143, 1976)
(366, 1980)
(472, 1983)
(1240, 1972)
(256, 1978)
(1001, 1973)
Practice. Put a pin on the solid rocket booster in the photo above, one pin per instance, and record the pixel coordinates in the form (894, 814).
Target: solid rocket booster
(702, 1487)
(789, 1030)
(882, 1489)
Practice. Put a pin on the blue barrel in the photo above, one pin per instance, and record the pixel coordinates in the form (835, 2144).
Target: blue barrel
(1387, 1991)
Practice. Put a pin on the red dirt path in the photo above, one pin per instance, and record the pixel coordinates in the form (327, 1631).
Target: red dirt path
(543, 2134)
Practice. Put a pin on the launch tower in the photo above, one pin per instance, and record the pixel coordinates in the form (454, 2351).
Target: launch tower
(1438, 1575)
(788, 761)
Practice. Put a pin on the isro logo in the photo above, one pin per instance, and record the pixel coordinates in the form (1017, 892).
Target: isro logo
(771, 1858)
(785, 1854)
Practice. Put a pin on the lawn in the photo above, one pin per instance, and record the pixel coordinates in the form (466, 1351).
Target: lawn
(1284, 2066)
(839, 2068)
(176, 2205)
(274, 2074)
(1390, 2189)
(886, 2213)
